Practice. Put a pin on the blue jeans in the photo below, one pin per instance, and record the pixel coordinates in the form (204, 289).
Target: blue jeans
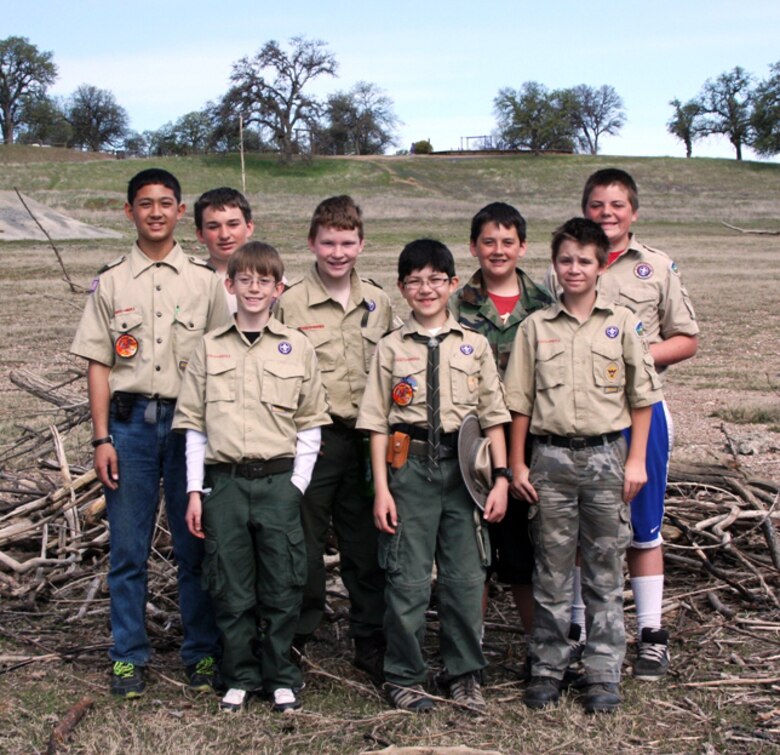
(148, 452)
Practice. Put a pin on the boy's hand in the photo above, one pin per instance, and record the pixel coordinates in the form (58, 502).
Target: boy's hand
(521, 484)
(495, 506)
(194, 514)
(385, 515)
(634, 478)
(107, 465)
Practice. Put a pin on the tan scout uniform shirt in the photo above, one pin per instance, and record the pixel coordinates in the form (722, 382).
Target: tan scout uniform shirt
(344, 340)
(468, 380)
(576, 379)
(162, 308)
(251, 400)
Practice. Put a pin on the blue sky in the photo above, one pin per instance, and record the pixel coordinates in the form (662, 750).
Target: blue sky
(441, 63)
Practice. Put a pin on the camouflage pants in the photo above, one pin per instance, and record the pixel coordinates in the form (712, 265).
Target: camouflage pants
(580, 504)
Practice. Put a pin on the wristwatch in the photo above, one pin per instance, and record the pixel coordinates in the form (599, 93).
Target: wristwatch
(100, 441)
(502, 472)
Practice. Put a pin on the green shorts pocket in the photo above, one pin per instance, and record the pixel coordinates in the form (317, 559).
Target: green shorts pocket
(389, 553)
(213, 576)
(296, 547)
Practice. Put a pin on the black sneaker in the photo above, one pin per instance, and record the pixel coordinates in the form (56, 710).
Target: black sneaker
(409, 698)
(204, 676)
(466, 690)
(542, 691)
(127, 680)
(652, 661)
(285, 700)
(370, 657)
(602, 697)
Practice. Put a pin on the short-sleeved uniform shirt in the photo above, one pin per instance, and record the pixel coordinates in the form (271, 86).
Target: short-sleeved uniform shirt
(471, 305)
(468, 380)
(581, 379)
(344, 340)
(251, 399)
(144, 318)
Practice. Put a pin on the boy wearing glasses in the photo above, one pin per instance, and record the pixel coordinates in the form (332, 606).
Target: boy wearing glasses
(252, 404)
(425, 378)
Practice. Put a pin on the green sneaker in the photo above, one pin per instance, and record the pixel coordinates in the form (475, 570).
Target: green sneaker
(204, 675)
(127, 680)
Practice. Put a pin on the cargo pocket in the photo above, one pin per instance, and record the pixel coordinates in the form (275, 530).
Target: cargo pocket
(626, 531)
(213, 577)
(389, 554)
(188, 328)
(550, 366)
(220, 380)
(533, 524)
(609, 370)
(296, 547)
(371, 336)
(464, 373)
(281, 384)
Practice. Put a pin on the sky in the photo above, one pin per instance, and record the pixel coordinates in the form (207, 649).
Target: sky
(441, 63)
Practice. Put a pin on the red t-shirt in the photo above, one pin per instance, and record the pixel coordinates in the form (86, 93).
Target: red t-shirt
(613, 256)
(504, 304)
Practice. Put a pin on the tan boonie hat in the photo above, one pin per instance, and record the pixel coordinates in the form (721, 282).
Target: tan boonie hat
(474, 460)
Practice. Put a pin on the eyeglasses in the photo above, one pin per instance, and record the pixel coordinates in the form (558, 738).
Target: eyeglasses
(435, 281)
(246, 281)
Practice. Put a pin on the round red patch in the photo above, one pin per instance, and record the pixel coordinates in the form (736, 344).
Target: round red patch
(403, 393)
(126, 346)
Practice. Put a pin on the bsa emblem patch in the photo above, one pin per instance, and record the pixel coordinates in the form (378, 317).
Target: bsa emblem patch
(643, 271)
(94, 285)
(183, 364)
(467, 349)
(640, 328)
(673, 267)
(612, 331)
(403, 393)
(370, 305)
(285, 347)
(612, 371)
(126, 346)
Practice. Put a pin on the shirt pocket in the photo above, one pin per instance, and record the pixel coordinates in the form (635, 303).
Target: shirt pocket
(550, 368)
(187, 330)
(464, 374)
(414, 377)
(128, 324)
(326, 346)
(220, 380)
(371, 336)
(609, 369)
(281, 384)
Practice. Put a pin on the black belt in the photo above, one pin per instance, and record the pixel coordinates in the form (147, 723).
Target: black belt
(341, 426)
(417, 432)
(420, 448)
(253, 470)
(578, 441)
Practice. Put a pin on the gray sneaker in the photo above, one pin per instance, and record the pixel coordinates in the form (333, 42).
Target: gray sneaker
(466, 690)
(409, 698)
(652, 661)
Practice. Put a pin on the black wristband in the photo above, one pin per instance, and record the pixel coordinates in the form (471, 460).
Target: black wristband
(100, 441)
(502, 472)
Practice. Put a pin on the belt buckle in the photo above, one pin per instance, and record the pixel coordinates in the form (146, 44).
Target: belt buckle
(253, 470)
(577, 444)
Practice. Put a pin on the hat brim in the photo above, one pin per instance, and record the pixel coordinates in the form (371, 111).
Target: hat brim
(471, 445)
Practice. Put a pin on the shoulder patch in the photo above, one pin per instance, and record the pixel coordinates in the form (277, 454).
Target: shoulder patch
(201, 262)
(673, 267)
(113, 263)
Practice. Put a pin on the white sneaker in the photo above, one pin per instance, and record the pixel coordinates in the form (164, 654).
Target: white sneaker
(285, 701)
(233, 701)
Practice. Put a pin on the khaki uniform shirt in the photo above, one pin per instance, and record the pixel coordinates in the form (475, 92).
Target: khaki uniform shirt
(344, 340)
(648, 282)
(251, 400)
(576, 379)
(468, 380)
(152, 312)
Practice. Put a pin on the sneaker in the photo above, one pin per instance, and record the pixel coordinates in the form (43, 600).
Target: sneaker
(234, 700)
(127, 680)
(370, 657)
(466, 690)
(602, 697)
(204, 675)
(285, 701)
(542, 691)
(409, 698)
(652, 661)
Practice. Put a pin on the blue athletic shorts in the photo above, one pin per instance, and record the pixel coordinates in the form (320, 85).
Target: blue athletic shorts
(647, 509)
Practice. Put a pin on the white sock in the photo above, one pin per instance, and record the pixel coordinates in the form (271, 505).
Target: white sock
(648, 597)
(577, 604)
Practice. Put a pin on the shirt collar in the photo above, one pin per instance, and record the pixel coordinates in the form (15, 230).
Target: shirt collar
(319, 294)
(139, 262)
(411, 326)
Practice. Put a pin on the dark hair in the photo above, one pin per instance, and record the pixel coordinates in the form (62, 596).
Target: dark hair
(219, 199)
(607, 177)
(256, 257)
(501, 214)
(421, 253)
(339, 212)
(582, 232)
(153, 176)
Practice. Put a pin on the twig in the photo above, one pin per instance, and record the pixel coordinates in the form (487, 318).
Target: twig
(63, 730)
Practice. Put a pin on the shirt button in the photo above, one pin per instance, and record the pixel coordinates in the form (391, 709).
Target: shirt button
(159, 340)
(157, 368)
(158, 288)
(159, 314)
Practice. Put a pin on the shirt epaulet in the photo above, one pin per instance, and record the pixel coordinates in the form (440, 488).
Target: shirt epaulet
(294, 282)
(201, 262)
(371, 281)
(113, 263)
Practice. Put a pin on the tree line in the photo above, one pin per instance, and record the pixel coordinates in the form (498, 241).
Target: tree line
(268, 106)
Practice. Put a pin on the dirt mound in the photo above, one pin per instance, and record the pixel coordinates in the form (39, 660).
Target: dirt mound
(17, 225)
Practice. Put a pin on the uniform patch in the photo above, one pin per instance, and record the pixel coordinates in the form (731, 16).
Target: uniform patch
(613, 331)
(611, 389)
(612, 370)
(285, 347)
(473, 383)
(467, 349)
(94, 285)
(411, 380)
(673, 267)
(370, 305)
(126, 346)
(640, 328)
(183, 364)
(402, 394)
(643, 270)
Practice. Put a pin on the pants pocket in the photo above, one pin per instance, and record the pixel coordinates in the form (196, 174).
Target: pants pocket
(389, 550)
(212, 576)
(296, 548)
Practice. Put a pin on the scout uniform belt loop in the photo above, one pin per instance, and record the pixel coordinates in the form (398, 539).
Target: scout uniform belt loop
(253, 470)
(577, 443)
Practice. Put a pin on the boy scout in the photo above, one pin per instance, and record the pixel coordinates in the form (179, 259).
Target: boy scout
(647, 282)
(145, 314)
(344, 316)
(425, 379)
(223, 222)
(252, 399)
(579, 373)
(497, 298)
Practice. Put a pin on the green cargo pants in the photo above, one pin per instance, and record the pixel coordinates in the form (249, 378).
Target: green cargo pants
(255, 566)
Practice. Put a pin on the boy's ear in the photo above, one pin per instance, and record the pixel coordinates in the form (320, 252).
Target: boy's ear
(129, 211)
(182, 209)
(473, 249)
(229, 285)
(523, 249)
(250, 228)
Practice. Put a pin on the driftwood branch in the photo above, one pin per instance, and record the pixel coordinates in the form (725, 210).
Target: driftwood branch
(749, 230)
